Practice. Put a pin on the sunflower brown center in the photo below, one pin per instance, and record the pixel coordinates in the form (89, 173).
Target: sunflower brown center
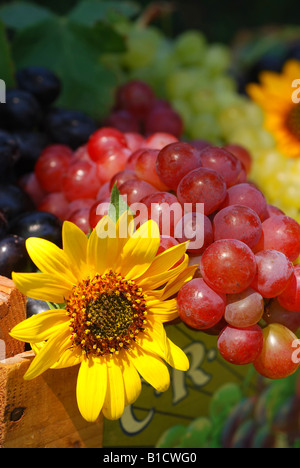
(293, 121)
(106, 313)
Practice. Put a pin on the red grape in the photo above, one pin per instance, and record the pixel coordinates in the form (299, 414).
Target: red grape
(244, 309)
(81, 203)
(145, 169)
(248, 195)
(242, 154)
(104, 139)
(81, 219)
(159, 140)
(95, 215)
(199, 306)
(275, 313)
(29, 183)
(135, 96)
(80, 181)
(120, 177)
(274, 211)
(277, 359)
(228, 266)
(280, 233)
(51, 166)
(163, 120)
(240, 346)
(123, 120)
(134, 140)
(135, 190)
(290, 297)
(274, 271)
(223, 162)
(113, 160)
(164, 209)
(196, 228)
(237, 222)
(202, 185)
(55, 203)
(174, 161)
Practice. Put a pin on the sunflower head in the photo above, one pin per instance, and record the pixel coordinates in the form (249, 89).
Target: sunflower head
(114, 294)
(277, 96)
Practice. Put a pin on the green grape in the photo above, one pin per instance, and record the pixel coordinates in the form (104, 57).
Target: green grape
(171, 437)
(203, 100)
(223, 401)
(217, 58)
(204, 126)
(197, 434)
(142, 45)
(190, 48)
(184, 81)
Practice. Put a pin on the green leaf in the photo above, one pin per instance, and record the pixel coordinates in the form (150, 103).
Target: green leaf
(6, 62)
(20, 15)
(117, 205)
(73, 54)
(100, 35)
(89, 12)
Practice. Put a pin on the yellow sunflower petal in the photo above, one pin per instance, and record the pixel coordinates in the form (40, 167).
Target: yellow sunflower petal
(132, 381)
(74, 245)
(71, 357)
(165, 311)
(49, 258)
(42, 286)
(151, 368)
(165, 260)
(156, 341)
(91, 387)
(114, 404)
(173, 286)
(154, 282)
(50, 353)
(140, 250)
(39, 327)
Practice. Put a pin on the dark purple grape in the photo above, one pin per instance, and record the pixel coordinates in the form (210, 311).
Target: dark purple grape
(13, 256)
(3, 224)
(38, 224)
(21, 111)
(68, 127)
(41, 82)
(9, 154)
(14, 201)
(30, 144)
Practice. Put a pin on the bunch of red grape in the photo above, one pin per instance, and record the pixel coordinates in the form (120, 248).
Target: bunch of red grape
(247, 287)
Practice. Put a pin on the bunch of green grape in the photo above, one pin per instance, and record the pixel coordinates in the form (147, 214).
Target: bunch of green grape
(268, 419)
(194, 76)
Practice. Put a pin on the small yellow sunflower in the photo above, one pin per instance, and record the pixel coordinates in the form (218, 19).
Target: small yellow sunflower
(275, 95)
(115, 294)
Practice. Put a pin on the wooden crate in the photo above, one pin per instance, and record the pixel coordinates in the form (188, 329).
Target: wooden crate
(39, 413)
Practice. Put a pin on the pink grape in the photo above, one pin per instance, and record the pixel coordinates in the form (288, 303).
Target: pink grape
(277, 358)
(55, 203)
(120, 177)
(274, 271)
(113, 160)
(81, 219)
(228, 266)
(134, 140)
(240, 346)
(275, 313)
(174, 161)
(223, 162)
(290, 297)
(159, 140)
(202, 185)
(281, 233)
(244, 309)
(199, 306)
(237, 222)
(248, 195)
(123, 120)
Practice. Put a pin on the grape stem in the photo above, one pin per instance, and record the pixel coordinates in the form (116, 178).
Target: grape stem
(154, 11)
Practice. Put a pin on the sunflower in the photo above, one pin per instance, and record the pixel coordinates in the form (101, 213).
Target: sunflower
(115, 293)
(274, 95)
